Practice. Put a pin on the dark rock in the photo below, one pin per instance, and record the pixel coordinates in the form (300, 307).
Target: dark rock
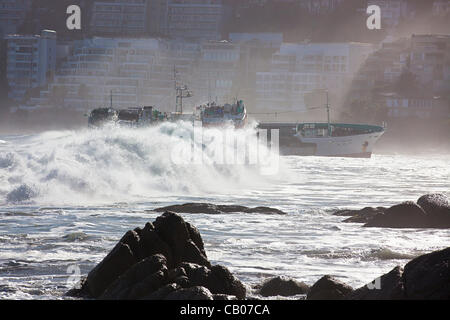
(437, 206)
(329, 288)
(404, 215)
(428, 276)
(166, 259)
(195, 236)
(282, 286)
(223, 297)
(175, 273)
(109, 269)
(80, 291)
(264, 210)
(162, 292)
(172, 229)
(361, 216)
(197, 274)
(140, 280)
(388, 287)
(222, 281)
(150, 244)
(208, 208)
(193, 293)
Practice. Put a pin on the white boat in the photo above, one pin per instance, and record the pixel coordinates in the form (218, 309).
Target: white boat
(327, 139)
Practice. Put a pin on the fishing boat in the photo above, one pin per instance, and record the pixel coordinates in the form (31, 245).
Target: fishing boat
(212, 115)
(131, 117)
(326, 138)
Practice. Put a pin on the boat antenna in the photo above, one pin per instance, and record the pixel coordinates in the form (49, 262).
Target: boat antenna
(328, 115)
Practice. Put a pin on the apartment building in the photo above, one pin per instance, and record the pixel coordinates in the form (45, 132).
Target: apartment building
(297, 69)
(121, 17)
(430, 61)
(31, 61)
(195, 19)
(12, 15)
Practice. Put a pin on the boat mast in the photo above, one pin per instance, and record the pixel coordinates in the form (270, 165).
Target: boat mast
(111, 99)
(328, 115)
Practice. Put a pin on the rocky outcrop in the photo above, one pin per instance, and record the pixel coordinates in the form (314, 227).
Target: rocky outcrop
(282, 286)
(430, 211)
(360, 216)
(437, 206)
(387, 287)
(428, 276)
(208, 208)
(329, 288)
(404, 215)
(424, 278)
(164, 260)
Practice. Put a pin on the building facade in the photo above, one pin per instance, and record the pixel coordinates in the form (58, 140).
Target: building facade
(195, 19)
(430, 61)
(121, 17)
(31, 62)
(298, 69)
(12, 15)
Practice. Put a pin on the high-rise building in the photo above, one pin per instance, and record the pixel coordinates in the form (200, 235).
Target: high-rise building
(195, 19)
(430, 56)
(12, 15)
(31, 61)
(121, 17)
(298, 69)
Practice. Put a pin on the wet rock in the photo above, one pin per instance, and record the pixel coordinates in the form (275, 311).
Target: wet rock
(195, 236)
(197, 274)
(164, 260)
(193, 293)
(150, 243)
(162, 292)
(437, 206)
(428, 276)
(405, 215)
(119, 260)
(360, 216)
(282, 286)
(329, 288)
(221, 281)
(172, 229)
(208, 208)
(140, 280)
(387, 287)
(223, 297)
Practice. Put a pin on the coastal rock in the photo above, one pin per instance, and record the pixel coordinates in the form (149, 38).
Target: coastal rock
(208, 208)
(282, 286)
(405, 215)
(193, 293)
(119, 260)
(140, 280)
(437, 206)
(222, 281)
(172, 229)
(387, 287)
(329, 288)
(360, 216)
(428, 276)
(164, 260)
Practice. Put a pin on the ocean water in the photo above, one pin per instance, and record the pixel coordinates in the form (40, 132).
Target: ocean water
(66, 197)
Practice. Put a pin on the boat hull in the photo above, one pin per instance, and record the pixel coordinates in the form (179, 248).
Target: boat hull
(355, 146)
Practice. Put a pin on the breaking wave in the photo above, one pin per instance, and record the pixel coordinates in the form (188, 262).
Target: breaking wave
(116, 164)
